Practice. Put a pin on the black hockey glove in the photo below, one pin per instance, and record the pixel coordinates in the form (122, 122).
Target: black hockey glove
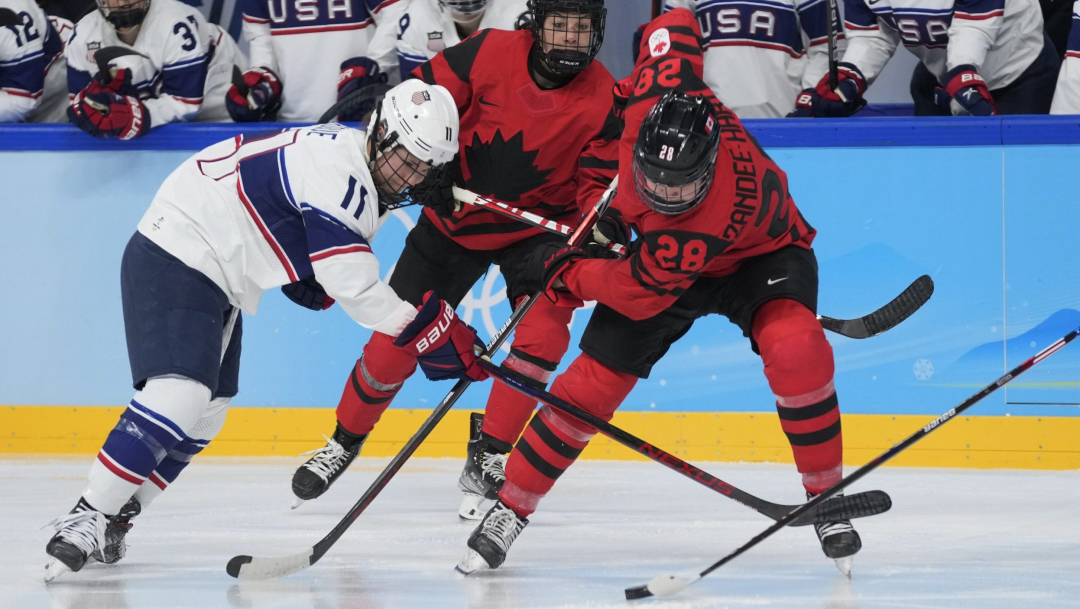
(610, 228)
(441, 197)
(547, 262)
(308, 293)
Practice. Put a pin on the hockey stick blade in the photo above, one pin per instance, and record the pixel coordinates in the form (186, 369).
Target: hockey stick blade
(858, 505)
(8, 18)
(366, 94)
(888, 316)
(659, 586)
(248, 567)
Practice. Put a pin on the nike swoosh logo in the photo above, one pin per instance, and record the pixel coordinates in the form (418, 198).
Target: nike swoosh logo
(486, 102)
(872, 2)
(773, 281)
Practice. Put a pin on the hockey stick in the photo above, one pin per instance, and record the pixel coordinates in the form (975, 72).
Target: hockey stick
(249, 567)
(834, 75)
(666, 585)
(503, 209)
(859, 505)
(357, 98)
(887, 317)
(9, 18)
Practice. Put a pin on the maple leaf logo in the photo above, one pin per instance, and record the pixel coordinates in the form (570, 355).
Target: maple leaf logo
(503, 169)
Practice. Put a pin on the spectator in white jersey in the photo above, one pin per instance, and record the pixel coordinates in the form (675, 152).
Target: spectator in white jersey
(429, 26)
(1067, 95)
(986, 56)
(301, 50)
(138, 64)
(31, 64)
(758, 56)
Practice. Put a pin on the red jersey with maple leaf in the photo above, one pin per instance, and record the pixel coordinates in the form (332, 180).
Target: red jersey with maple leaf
(747, 211)
(530, 147)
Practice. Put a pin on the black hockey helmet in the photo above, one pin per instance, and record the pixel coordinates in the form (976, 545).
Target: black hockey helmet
(675, 153)
(124, 14)
(562, 58)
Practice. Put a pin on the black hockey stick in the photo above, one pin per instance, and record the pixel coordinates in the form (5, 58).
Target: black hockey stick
(887, 317)
(834, 75)
(249, 567)
(666, 585)
(369, 94)
(858, 505)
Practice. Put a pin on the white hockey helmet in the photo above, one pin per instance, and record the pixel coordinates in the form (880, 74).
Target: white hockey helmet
(466, 8)
(422, 119)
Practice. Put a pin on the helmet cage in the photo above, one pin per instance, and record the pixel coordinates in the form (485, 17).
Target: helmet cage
(563, 60)
(383, 173)
(676, 148)
(124, 16)
(466, 8)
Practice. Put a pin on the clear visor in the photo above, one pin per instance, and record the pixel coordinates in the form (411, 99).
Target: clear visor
(670, 198)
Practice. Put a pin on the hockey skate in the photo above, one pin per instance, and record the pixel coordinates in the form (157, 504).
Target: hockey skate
(115, 531)
(484, 472)
(78, 536)
(314, 477)
(490, 542)
(839, 540)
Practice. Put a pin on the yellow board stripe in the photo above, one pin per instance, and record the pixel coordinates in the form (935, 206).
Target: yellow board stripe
(979, 442)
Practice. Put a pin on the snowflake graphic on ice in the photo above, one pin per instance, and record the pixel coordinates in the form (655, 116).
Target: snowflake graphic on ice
(923, 369)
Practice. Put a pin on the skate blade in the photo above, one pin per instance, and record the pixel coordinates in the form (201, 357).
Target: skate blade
(472, 508)
(54, 569)
(471, 563)
(844, 565)
(297, 502)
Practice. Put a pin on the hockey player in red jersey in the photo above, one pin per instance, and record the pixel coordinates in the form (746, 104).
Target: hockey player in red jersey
(719, 233)
(533, 106)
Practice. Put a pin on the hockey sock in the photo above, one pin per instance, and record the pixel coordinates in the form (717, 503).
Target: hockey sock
(373, 383)
(178, 458)
(148, 429)
(799, 367)
(540, 341)
(553, 440)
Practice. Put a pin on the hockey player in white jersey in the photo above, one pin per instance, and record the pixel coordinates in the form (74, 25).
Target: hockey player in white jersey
(1067, 94)
(759, 56)
(429, 26)
(32, 85)
(294, 208)
(988, 56)
(177, 67)
(300, 49)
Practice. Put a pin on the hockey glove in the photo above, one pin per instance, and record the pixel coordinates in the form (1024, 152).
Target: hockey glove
(357, 73)
(965, 93)
(308, 293)
(542, 266)
(254, 96)
(441, 197)
(822, 101)
(102, 112)
(442, 343)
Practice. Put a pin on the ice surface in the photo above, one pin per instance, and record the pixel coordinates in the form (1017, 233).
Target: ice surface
(954, 538)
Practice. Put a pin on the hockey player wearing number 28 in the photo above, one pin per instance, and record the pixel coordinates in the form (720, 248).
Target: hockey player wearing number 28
(534, 106)
(262, 210)
(720, 234)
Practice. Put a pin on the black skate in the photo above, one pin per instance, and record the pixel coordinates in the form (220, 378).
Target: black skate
(314, 477)
(484, 472)
(839, 540)
(490, 542)
(78, 535)
(115, 547)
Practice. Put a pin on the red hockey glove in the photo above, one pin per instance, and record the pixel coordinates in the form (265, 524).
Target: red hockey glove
(254, 96)
(442, 343)
(101, 112)
(968, 93)
(823, 101)
(357, 73)
(542, 266)
(308, 293)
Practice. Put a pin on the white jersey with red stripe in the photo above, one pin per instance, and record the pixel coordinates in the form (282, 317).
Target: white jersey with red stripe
(304, 42)
(31, 62)
(427, 28)
(1001, 38)
(1067, 94)
(183, 68)
(759, 54)
(265, 209)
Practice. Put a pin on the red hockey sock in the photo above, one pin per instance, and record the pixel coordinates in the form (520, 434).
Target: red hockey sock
(799, 366)
(553, 440)
(540, 341)
(373, 383)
